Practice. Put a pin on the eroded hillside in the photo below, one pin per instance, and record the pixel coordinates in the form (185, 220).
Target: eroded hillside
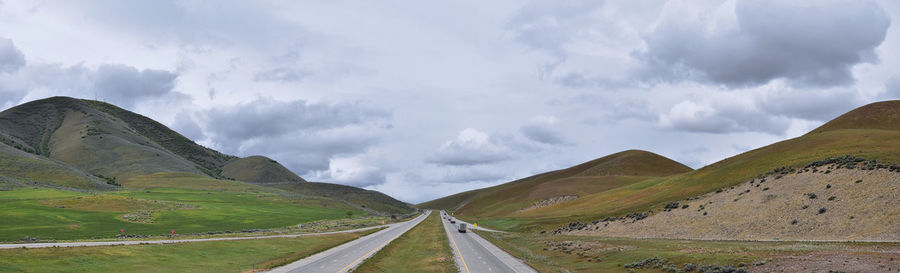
(845, 198)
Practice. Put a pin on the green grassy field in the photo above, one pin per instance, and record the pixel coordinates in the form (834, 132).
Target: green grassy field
(61, 215)
(560, 253)
(221, 256)
(422, 249)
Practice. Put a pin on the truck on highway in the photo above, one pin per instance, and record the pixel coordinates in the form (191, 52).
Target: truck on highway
(462, 227)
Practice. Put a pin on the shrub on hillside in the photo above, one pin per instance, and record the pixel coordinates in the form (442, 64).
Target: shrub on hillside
(822, 210)
(812, 195)
(671, 206)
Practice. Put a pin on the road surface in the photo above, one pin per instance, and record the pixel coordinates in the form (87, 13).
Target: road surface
(475, 254)
(344, 258)
(116, 243)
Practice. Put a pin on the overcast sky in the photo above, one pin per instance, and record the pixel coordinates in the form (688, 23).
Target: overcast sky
(422, 99)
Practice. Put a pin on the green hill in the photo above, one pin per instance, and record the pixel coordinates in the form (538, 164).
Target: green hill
(78, 144)
(871, 132)
(258, 169)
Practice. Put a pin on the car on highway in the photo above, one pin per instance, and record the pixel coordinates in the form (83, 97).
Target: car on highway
(462, 228)
(452, 221)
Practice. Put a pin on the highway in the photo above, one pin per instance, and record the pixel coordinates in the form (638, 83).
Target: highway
(475, 254)
(344, 258)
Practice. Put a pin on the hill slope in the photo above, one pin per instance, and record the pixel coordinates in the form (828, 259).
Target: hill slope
(859, 133)
(836, 201)
(87, 145)
(102, 139)
(258, 169)
(549, 188)
(883, 115)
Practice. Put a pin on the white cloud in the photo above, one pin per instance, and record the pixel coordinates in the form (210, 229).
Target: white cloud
(471, 147)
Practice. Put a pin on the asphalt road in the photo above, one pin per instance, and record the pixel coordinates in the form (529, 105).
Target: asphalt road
(475, 254)
(345, 257)
(116, 243)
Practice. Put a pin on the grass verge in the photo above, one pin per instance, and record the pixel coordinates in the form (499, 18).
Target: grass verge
(549, 253)
(220, 256)
(422, 249)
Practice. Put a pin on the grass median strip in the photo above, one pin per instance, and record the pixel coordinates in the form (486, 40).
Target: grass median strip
(218, 256)
(422, 249)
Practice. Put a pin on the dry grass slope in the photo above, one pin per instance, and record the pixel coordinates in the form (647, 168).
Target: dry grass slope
(870, 132)
(830, 203)
(883, 115)
(609, 172)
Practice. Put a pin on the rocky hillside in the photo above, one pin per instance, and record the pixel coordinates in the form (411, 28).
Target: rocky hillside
(846, 198)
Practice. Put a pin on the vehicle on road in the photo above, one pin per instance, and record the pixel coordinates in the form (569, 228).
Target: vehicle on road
(452, 221)
(462, 228)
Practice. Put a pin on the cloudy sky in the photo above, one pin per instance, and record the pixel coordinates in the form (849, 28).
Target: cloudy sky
(422, 99)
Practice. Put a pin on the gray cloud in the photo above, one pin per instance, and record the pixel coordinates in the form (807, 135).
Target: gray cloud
(266, 117)
(471, 147)
(821, 105)
(122, 85)
(767, 40)
(693, 117)
(892, 89)
(471, 174)
(11, 59)
(126, 85)
(548, 26)
(544, 129)
(281, 75)
(187, 126)
(304, 136)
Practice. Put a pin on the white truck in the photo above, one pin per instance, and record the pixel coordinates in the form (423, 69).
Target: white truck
(462, 227)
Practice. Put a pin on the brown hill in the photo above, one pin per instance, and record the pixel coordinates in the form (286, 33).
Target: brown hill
(883, 115)
(587, 178)
(871, 132)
